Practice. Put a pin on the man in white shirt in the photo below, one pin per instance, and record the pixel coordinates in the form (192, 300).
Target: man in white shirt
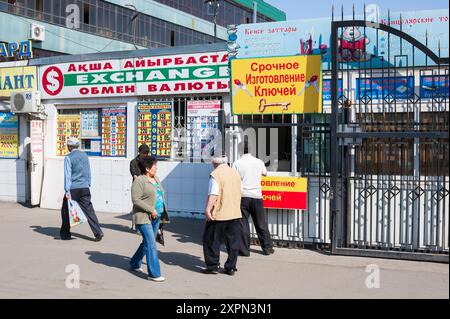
(251, 170)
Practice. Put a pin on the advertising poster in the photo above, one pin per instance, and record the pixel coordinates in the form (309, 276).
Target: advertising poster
(175, 74)
(202, 125)
(326, 89)
(37, 137)
(9, 135)
(89, 123)
(114, 131)
(386, 88)
(285, 85)
(154, 127)
(68, 125)
(356, 45)
(285, 192)
(17, 79)
(434, 86)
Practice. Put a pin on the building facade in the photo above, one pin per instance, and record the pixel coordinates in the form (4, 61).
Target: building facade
(74, 27)
(170, 100)
(90, 26)
(173, 98)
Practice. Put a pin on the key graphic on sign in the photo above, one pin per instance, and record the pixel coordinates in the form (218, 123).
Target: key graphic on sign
(239, 85)
(312, 82)
(263, 105)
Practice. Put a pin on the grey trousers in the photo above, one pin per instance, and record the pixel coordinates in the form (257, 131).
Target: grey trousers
(83, 197)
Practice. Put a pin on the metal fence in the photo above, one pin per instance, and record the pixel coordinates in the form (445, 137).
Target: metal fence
(303, 149)
(390, 179)
(377, 166)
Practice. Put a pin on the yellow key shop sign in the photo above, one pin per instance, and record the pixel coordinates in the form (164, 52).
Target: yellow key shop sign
(280, 85)
(17, 79)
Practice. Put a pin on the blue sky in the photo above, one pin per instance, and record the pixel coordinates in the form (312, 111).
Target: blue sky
(304, 9)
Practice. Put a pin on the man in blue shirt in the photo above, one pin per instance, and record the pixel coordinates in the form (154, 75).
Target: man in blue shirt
(77, 180)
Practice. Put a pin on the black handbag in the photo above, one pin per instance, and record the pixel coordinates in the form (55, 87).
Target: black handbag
(160, 235)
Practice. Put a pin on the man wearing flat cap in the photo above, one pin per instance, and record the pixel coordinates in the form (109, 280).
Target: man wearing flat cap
(223, 215)
(77, 180)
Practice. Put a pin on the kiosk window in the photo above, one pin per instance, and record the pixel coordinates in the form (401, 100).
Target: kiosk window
(192, 114)
(101, 131)
(273, 145)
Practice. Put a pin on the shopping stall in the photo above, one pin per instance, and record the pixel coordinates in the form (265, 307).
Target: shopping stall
(171, 100)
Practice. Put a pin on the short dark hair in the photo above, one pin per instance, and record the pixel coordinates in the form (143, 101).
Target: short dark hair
(146, 162)
(246, 144)
(144, 148)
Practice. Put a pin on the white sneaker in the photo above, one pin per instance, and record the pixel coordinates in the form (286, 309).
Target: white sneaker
(157, 279)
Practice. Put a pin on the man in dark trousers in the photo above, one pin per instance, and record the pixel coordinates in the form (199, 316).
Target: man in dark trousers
(135, 170)
(77, 180)
(223, 215)
(251, 170)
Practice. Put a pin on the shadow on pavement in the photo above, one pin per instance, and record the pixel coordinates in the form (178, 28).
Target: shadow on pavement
(189, 231)
(126, 216)
(54, 232)
(114, 261)
(256, 251)
(118, 227)
(27, 205)
(186, 230)
(186, 261)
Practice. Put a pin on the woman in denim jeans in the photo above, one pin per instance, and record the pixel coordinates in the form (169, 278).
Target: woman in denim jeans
(149, 209)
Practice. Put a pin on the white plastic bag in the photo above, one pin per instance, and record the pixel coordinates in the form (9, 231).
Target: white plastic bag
(76, 214)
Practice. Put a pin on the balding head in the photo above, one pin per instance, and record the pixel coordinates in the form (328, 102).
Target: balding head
(216, 161)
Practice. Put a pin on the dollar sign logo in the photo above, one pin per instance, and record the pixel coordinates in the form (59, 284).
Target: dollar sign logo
(52, 81)
(52, 78)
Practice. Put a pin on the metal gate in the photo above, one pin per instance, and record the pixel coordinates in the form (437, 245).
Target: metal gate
(302, 145)
(390, 144)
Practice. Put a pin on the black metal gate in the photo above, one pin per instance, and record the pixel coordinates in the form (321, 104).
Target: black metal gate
(389, 144)
(302, 149)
